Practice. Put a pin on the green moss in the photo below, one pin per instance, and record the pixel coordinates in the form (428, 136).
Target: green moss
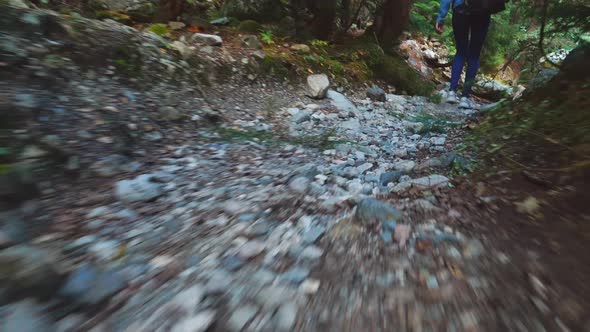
(275, 65)
(127, 59)
(394, 70)
(250, 26)
(159, 29)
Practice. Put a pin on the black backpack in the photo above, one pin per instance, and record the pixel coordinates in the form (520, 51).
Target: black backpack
(485, 6)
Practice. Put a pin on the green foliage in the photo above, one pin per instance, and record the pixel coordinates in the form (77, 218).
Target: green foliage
(434, 124)
(159, 29)
(266, 37)
(250, 26)
(502, 40)
(394, 70)
(319, 43)
(422, 19)
(275, 65)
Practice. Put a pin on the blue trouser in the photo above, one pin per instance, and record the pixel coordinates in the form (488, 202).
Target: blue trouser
(470, 33)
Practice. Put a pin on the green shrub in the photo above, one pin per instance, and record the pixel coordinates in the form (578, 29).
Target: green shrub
(159, 29)
(266, 37)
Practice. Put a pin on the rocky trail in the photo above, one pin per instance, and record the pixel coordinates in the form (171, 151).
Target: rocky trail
(249, 206)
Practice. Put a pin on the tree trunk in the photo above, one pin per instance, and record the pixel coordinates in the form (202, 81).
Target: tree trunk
(390, 20)
(324, 18)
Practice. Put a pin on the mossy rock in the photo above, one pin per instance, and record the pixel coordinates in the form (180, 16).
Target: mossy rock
(394, 70)
(273, 65)
(250, 26)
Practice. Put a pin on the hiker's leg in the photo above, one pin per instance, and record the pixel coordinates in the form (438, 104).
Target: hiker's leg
(461, 33)
(479, 26)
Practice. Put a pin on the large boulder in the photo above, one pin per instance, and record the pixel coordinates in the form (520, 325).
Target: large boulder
(375, 93)
(317, 86)
(492, 89)
(340, 101)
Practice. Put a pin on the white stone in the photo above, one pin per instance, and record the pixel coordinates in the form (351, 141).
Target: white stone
(211, 40)
(317, 86)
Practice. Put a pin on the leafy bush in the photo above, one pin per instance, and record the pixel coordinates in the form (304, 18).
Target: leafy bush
(159, 29)
(266, 37)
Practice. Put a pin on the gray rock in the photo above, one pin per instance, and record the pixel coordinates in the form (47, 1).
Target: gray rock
(220, 21)
(299, 185)
(371, 211)
(286, 316)
(430, 163)
(430, 181)
(341, 102)
(104, 250)
(251, 41)
(389, 177)
(376, 94)
(176, 25)
(219, 282)
(27, 270)
(259, 228)
(111, 165)
(272, 297)
(264, 277)
(405, 166)
(311, 253)
(139, 189)
(13, 229)
(197, 323)
(232, 263)
(80, 281)
(107, 284)
(364, 167)
(413, 127)
(313, 235)
(352, 124)
(26, 100)
(26, 316)
(241, 317)
(170, 113)
(301, 116)
(438, 140)
(211, 40)
(317, 86)
(295, 275)
(389, 226)
(250, 249)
